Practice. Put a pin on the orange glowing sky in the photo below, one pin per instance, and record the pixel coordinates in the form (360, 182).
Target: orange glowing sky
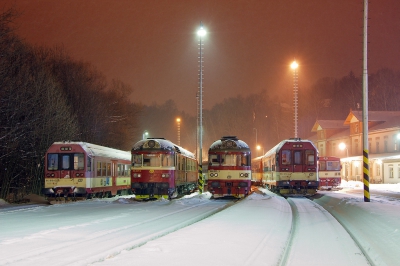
(152, 44)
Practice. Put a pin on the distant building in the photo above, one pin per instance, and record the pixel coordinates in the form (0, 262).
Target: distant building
(383, 144)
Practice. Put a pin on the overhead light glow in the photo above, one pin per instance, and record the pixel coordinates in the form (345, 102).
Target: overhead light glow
(201, 32)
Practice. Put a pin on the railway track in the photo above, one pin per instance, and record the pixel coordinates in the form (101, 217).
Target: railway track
(309, 221)
(129, 226)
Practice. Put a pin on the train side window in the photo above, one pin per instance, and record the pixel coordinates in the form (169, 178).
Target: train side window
(52, 161)
(120, 170)
(79, 161)
(89, 164)
(103, 169)
(98, 168)
(108, 170)
(286, 157)
(297, 157)
(127, 170)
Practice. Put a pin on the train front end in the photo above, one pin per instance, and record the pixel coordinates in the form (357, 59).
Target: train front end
(65, 171)
(296, 168)
(229, 168)
(161, 169)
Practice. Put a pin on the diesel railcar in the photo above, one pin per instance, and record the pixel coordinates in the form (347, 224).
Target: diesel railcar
(229, 168)
(289, 168)
(81, 169)
(329, 169)
(162, 169)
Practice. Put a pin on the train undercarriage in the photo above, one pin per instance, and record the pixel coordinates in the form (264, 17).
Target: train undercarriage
(294, 187)
(147, 191)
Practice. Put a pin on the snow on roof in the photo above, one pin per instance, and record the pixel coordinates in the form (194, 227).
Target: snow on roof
(97, 150)
(229, 143)
(163, 144)
(280, 144)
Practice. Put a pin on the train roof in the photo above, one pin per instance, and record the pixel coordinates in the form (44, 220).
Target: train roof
(97, 150)
(229, 143)
(163, 144)
(278, 146)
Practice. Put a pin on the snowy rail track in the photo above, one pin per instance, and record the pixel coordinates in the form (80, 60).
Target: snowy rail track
(310, 220)
(261, 229)
(123, 227)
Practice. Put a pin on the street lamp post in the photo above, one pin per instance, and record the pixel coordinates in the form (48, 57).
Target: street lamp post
(294, 66)
(178, 120)
(201, 33)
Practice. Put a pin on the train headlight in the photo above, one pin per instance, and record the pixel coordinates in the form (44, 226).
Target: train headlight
(165, 175)
(246, 175)
(241, 175)
(136, 175)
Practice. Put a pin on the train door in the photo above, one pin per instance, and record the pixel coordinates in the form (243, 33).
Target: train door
(297, 161)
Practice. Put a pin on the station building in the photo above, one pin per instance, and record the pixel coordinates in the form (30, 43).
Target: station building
(344, 139)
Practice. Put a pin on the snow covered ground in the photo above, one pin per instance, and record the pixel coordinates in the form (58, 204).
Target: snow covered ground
(254, 231)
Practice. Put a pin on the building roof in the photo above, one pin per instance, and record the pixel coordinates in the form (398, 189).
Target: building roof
(328, 124)
(373, 116)
(390, 124)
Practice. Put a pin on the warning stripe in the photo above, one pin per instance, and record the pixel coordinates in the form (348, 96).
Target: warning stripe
(366, 176)
(201, 181)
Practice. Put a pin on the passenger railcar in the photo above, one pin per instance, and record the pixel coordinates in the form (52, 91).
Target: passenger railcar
(162, 169)
(329, 169)
(289, 168)
(229, 168)
(81, 169)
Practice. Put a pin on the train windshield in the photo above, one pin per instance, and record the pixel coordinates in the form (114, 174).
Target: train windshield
(65, 161)
(153, 160)
(310, 157)
(229, 160)
(329, 166)
(298, 157)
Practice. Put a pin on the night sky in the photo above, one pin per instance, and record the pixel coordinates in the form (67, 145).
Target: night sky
(152, 44)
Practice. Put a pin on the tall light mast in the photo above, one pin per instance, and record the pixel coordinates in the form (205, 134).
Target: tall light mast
(294, 66)
(201, 33)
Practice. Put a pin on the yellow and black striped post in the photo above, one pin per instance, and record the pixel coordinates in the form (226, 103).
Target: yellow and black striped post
(365, 107)
(366, 176)
(201, 180)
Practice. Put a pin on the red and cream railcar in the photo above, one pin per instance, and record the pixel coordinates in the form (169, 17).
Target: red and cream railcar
(229, 168)
(329, 169)
(162, 169)
(80, 169)
(289, 168)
